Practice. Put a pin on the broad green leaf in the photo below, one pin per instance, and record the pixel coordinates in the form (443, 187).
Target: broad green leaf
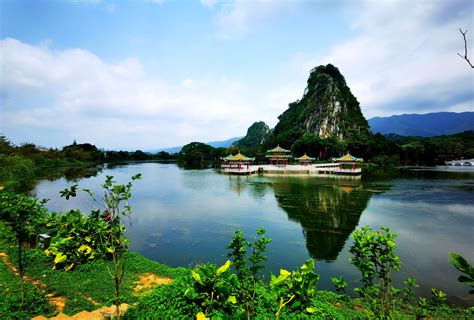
(223, 268)
(310, 310)
(84, 249)
(201, 316)
(232, 300)
(466, 280)
(284, 272)
(197, 277)
(60, 258)
(69, 267)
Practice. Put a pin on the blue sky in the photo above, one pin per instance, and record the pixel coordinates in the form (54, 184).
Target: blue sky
(150, 74)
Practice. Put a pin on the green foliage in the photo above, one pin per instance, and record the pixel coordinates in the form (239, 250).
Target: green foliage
(306, 116)
(296, 289)
(113, 235)
(89, 281)
(23, 216)
(339, 283)
(465, 267)
(257, 258)
(374, 255)
(213, 289)
(437, 296)
(199, 155)
(435, 150)
(248, 268)
(408, 293)
(77, 239)
(11, 305)
(308, 143)
(256, 135)
(15, 171)
(239, 251)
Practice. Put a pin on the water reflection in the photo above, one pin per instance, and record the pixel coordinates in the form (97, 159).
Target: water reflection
(182, 217)
(327, 209)
(70, 174)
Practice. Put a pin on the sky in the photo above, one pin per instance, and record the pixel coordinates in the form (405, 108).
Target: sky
(149, 74)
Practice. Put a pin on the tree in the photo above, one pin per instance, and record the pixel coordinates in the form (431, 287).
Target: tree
(465, 48)
(24, 216)
(115, 195)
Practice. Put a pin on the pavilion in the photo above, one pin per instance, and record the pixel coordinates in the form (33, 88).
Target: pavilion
(237, 161)
(278, 156)
(305, 159)
(348, 161)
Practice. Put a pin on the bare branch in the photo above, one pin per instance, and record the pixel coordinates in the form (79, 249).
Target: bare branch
(465, 48)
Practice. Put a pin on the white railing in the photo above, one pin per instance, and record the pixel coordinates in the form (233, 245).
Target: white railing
(315, 169)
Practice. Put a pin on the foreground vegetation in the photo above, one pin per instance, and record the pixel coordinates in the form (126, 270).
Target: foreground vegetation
(79, 264)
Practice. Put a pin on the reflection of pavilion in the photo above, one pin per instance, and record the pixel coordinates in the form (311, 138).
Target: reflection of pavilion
(328, 213)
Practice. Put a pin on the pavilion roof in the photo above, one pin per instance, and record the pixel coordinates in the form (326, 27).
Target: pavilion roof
(280, 156)
(305, 157)
(348, 158)
(229, 157)
(239, 157)
(278, 149)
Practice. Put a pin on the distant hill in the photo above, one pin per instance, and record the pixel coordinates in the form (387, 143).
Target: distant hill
(424, 125)
(257, 133)
(215, 144)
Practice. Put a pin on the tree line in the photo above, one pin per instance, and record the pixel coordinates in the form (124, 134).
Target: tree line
(382, 150)
(19, 164)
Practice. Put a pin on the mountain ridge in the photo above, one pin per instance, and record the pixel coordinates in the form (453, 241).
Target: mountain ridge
(423, 125)
(215, 144)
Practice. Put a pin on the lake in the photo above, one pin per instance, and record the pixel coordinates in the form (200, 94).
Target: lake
(184, 217)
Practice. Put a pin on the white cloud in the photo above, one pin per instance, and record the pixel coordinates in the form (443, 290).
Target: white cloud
(76, 95)
(160, 2)
(238, 17)
(208, 3)
(404, 57)
(188, 82)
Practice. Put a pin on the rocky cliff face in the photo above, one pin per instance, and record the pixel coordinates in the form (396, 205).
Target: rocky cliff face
(327, 109)
(257, 134)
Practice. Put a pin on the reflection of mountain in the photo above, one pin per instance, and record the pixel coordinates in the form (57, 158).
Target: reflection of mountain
(328, 211)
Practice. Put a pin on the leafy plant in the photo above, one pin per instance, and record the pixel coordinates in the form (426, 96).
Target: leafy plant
(24, 216)
(408, 293)
(296, 289)
(213, 289)
(374, 255)
(465, 267)
(115, 200)
(248, 269)
(438, 297)
(339, 283)
(78, 239)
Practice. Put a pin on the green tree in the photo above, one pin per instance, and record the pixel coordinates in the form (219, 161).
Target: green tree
(23, 216)
(117, 208)
(373, 253)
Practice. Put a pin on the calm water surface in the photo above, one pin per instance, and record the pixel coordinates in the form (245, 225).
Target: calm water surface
(183, 217)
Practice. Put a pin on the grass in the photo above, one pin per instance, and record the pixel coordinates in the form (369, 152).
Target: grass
(11, 306)
(89, 286)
